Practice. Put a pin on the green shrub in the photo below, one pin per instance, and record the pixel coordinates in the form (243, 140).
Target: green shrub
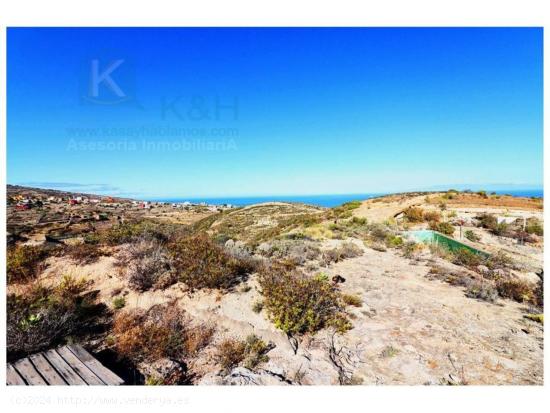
(443, 227)
(471, 235)
(201, 263)
(119, 302)
(299, 304)
(466, 258)
(534, 227)
(502, 229)
(487, 221)
(394, 241)
(130, 231)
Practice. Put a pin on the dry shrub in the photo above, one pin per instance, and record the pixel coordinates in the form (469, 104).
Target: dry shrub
(443, 227)
(164, 331)
(482, 291)
(432, 216)
(130, 231)
(466, 258)
(230, 353)
(344, 251)
(296, 250)
(149, 265)
(201, 263)
(517, 290)
(487, 221)
(499, 261)
(250, 352)
(299, 304)
(352, 300)
(471, 236)
(24, 262)
(414, 214)
(84, 253)
(41, 317)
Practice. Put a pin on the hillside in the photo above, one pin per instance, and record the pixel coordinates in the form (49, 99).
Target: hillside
(282, 293)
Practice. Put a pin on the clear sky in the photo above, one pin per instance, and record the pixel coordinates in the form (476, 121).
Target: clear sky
(228, 112)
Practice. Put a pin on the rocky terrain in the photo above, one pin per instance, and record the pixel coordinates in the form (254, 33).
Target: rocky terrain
(292, 294)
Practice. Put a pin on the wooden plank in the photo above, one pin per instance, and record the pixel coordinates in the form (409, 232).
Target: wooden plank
(63, 368)
(28, 372)
(13, 378)
(106, 375)
(83, 371)
(49, 374)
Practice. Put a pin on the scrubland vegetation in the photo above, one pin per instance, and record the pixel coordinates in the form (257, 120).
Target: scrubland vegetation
(276, 254)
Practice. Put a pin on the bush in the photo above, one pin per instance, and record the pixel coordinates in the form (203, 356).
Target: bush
(499, 261)
(299, 304)
(443, 227)
(164, 331)
(430, 216)
(414, 214)
(201, 263)
(149, 265)
(119, 302)
(502, 229)
(24, 262)
(130, 231)
(482, 291)
(84, 253)
(534, 227)
(250, 353)
(344, 251)
(258, 306)
(352, 300)
(394, 241)
(471, 235)
(42, 317)
(410, 248)
(298, 251)
(517, 290)
(487, 221)
(466, 258)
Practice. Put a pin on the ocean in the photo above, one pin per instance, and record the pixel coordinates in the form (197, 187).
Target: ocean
(327, 201)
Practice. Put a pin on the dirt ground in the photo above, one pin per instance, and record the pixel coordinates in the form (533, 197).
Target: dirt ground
(409, 330)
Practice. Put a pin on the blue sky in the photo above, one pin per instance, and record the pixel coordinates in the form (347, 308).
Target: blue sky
(228, 112)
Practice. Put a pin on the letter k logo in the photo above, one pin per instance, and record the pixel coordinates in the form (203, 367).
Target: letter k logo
(104, 77)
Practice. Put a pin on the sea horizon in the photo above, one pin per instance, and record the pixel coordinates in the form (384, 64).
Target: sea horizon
(322, 200)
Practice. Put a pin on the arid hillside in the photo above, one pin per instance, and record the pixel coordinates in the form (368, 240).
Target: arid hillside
(293, 294)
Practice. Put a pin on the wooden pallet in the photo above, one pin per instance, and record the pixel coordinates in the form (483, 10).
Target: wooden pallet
(68, 365)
